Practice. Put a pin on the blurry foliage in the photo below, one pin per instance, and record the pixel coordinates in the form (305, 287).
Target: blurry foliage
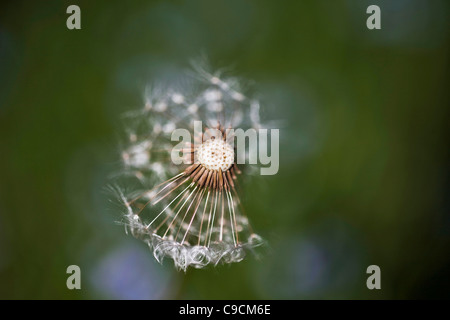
(364, 160)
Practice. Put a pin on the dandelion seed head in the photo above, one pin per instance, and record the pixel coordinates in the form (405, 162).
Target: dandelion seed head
(192, 212)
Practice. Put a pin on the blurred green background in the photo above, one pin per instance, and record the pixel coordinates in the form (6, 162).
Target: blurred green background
(364, 173)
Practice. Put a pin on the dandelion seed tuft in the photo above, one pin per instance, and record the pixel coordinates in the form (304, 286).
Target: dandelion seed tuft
(192, 212)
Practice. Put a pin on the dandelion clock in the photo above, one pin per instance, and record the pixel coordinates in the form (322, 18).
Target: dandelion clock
(181, 147)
